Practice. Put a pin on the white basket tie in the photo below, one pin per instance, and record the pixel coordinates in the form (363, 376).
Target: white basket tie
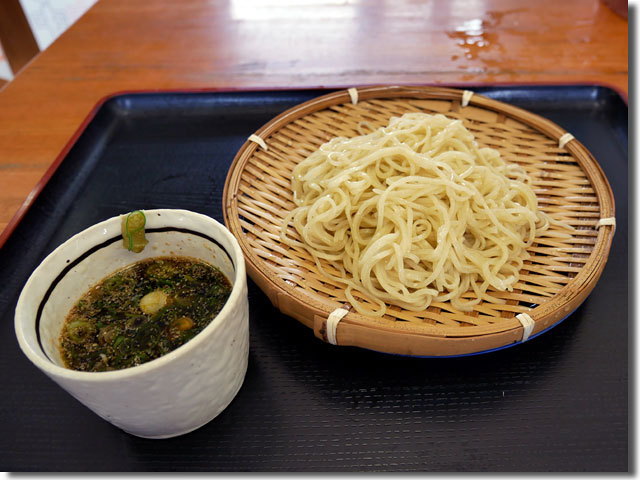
(256, 139)
(606, 221)
(353, 93)
(332, 324)
(528, 324)
(466, 96)
(564, 139)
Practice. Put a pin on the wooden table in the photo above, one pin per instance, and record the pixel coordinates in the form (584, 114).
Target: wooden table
(121, 45)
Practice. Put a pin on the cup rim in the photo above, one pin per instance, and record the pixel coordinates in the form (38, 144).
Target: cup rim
(21, 323)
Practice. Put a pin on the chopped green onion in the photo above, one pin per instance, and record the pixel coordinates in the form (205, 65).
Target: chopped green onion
(133, 231)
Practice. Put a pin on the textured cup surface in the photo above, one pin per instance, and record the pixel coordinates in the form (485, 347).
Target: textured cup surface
(168, 396)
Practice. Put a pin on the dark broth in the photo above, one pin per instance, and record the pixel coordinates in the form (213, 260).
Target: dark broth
(142, 312)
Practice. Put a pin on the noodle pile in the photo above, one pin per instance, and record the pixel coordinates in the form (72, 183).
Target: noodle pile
(413, 213)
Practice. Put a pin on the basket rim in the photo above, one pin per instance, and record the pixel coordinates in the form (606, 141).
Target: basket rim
(293, 301)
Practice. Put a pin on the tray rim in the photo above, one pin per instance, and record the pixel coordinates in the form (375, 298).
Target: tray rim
(408, 338)
(24, 207)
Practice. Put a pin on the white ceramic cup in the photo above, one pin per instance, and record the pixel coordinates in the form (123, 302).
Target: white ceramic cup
(168, 396)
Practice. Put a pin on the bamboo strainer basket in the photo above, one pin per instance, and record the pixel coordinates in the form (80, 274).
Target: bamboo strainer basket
(568, 182)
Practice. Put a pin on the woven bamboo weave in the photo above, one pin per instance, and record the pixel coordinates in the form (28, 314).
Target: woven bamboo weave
(560, 273)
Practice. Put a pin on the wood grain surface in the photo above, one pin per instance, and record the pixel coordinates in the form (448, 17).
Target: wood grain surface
(121, 45)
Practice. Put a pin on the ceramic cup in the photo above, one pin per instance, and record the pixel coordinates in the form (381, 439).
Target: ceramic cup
(168, 396)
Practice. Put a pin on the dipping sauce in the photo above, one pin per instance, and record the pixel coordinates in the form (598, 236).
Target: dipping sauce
(142, 312)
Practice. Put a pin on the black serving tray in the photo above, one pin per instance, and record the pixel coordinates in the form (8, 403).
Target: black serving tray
(558, 402)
